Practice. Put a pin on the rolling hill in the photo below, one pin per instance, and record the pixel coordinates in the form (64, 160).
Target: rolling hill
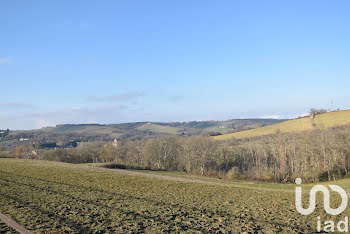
(151, 127)
(322, 121)
(64, 135)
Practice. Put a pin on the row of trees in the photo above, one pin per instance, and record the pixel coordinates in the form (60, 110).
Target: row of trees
(313, 155)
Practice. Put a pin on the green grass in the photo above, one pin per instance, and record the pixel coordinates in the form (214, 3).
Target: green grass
(322, 121)
(159, 129)
(50, 196)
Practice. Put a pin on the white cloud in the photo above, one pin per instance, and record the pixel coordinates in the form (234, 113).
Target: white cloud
(271, 117)
(81, 115)
(285, 116)
(41, 123)
(25, 116)
(304, 115)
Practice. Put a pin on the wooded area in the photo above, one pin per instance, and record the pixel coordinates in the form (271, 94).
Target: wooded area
(312, 155)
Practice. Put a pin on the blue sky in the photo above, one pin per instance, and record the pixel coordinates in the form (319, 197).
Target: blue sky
(124, 61)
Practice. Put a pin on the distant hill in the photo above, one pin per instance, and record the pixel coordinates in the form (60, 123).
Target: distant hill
(64, 134)
(321, 121)
(151, 127)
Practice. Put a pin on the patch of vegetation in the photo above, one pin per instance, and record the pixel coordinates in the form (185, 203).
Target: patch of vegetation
(320, 121)
(159, 129)
(124, 166)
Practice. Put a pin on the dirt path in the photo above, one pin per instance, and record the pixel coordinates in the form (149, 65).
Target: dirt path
(13, 224)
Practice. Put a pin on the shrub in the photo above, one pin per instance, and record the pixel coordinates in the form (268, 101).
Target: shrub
(233, 173)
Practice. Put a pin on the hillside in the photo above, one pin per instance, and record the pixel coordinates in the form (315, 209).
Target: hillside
(159, 129)
(66, 134)
(322, 121)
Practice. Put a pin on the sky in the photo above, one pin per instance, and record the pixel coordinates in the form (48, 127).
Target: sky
(178, 60)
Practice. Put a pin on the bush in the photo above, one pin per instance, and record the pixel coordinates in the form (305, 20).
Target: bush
(234, 173)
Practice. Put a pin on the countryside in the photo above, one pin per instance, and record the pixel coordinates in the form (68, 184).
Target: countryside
(174, 116)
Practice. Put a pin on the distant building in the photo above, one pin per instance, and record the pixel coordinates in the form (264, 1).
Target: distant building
(115, 143)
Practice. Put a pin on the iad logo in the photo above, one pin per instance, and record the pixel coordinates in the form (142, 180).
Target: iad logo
(326, 199)
(342, 226)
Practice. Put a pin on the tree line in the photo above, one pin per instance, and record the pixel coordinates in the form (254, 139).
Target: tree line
(312, 155)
